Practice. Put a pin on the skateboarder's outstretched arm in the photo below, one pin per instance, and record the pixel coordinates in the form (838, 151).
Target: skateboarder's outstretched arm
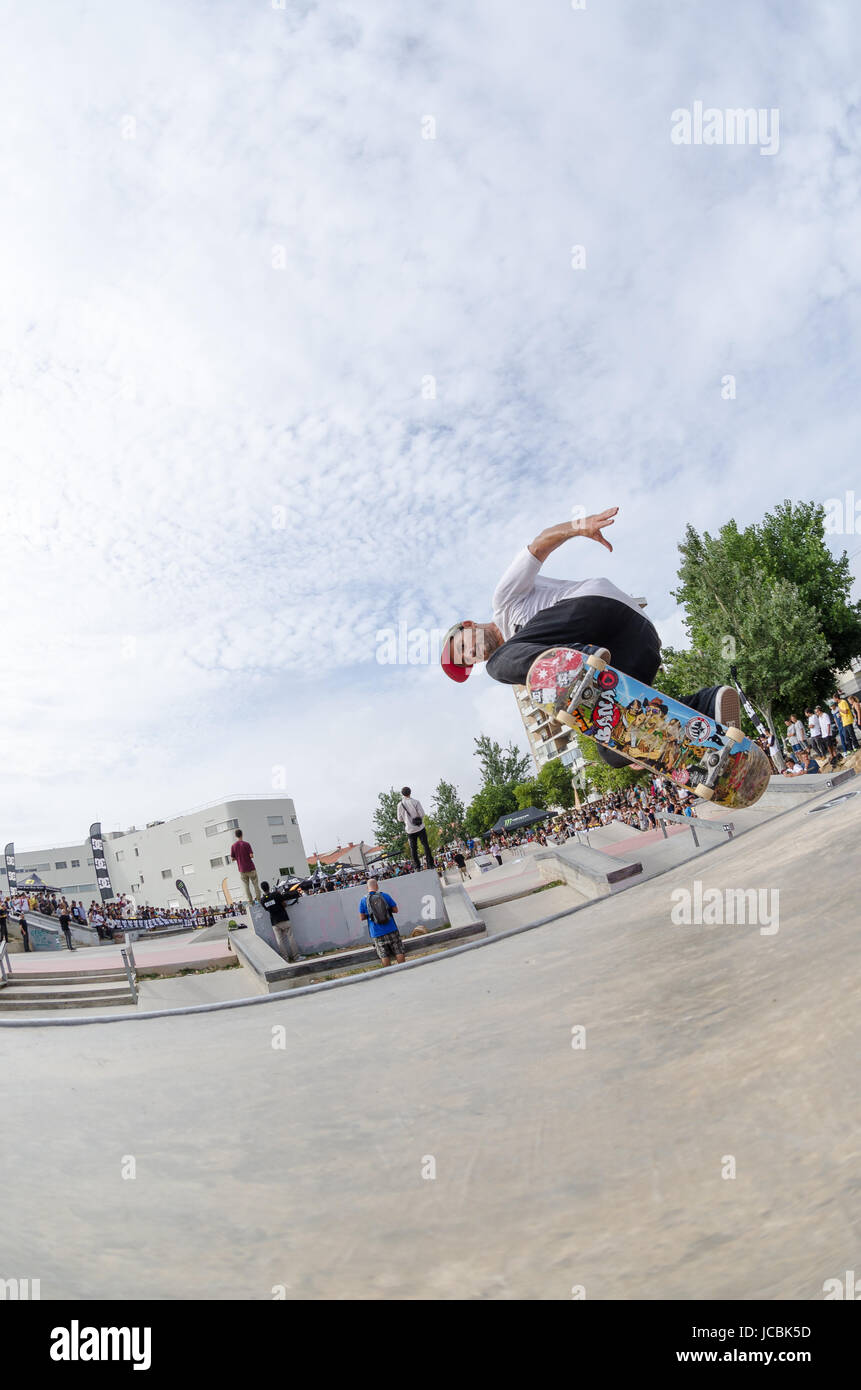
(552, 537)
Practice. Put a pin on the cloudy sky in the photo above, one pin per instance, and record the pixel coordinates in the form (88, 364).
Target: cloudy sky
(278, 371)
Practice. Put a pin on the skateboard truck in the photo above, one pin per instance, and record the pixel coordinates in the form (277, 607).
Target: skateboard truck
(714, 764)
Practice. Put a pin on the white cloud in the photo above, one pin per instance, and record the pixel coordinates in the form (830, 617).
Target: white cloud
(168, 398)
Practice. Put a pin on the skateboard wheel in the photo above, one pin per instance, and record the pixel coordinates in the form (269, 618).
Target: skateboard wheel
(596, 662)
(733, 735)
(705, 792)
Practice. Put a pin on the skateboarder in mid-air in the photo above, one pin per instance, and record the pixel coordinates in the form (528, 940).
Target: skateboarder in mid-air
(532, 613)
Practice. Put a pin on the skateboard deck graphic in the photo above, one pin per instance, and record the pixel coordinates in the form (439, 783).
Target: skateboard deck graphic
(647, 727)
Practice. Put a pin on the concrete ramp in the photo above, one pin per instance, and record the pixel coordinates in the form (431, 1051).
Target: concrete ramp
(433, 1133)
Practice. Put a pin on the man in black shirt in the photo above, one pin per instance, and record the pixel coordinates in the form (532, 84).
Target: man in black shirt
(4, 933)
(275, 901)
(64, 919)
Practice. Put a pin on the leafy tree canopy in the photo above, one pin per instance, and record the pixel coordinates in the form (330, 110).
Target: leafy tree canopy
(501, 767)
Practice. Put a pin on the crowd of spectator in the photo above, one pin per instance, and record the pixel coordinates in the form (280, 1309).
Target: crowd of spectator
(827, 734)
(116, 916)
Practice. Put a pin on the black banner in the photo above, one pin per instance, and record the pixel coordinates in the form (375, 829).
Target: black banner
(181, 888)
(11, 871)
(100, 863)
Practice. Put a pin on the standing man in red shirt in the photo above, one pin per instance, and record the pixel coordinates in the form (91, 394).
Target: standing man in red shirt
(243, 856)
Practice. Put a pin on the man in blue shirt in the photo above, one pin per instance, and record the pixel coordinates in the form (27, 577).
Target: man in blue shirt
(378, 910)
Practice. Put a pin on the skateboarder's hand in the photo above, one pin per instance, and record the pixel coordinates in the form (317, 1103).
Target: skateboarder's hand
(592, 526)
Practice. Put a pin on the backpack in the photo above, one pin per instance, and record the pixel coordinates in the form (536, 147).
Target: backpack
(378, 909)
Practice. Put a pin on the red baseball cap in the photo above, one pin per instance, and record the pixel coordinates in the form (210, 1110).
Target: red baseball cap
(453, 670)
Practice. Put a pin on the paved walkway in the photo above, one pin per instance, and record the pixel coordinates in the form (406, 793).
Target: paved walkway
(306, 1164)
(173, 951)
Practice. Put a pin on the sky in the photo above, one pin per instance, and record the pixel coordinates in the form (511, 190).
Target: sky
(295, 347)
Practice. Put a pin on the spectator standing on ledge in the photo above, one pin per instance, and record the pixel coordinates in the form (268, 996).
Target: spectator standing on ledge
(378, 910)
(412, 817)
(844, 715)
(64, 919)
(243, 856)
(827, 732)
(275, 902)
(4, 932)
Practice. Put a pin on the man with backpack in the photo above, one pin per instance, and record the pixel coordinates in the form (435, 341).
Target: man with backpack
(412, 817)
(378, 910)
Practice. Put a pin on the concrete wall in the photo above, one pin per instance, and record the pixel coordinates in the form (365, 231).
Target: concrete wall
(327, 921)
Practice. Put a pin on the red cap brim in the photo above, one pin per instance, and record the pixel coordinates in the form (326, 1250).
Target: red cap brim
(452, 670)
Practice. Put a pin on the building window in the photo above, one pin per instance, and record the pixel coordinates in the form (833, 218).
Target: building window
(76, 863)
(287, 870)
(121, 854)
(221, 827)
(166, 873)
(137, 854)
(292, 820)
(274, 820)
(280, 839)
(187, 869)
(61, 864)
(185, 839)
(215, 863)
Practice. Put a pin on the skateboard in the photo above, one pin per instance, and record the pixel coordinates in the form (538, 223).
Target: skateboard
(648, 728)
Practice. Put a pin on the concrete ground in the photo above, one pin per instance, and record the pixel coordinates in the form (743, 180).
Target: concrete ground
(520, 911)
(179, 991)
(433, 1132)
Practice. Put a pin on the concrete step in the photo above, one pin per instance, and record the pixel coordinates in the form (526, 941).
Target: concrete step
(70, 977)
(60, 997)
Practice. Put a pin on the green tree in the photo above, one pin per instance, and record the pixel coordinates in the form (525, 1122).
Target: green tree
(449, 812)
(683, 672)
(487, 806)
(529, 793)
(434, 833)
(772, 600)
(557, 784)
(602, 778)
(388, 829)
(501, 767)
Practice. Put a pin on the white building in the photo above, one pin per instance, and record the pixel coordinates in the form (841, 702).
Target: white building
(547, 738)
(145, 863)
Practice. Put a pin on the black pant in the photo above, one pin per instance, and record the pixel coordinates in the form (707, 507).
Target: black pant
(634, 645)
(593, 621)
(415, 837)
(4, 933)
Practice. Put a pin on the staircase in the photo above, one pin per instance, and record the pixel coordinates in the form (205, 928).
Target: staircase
(66, 989)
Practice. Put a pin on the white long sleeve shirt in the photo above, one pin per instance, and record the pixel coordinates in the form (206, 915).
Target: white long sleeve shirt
(522, 592)
(408, 807)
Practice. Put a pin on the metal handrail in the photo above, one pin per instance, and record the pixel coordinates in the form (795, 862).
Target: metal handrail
(727, 827)
(5, 963)
(130, 975)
